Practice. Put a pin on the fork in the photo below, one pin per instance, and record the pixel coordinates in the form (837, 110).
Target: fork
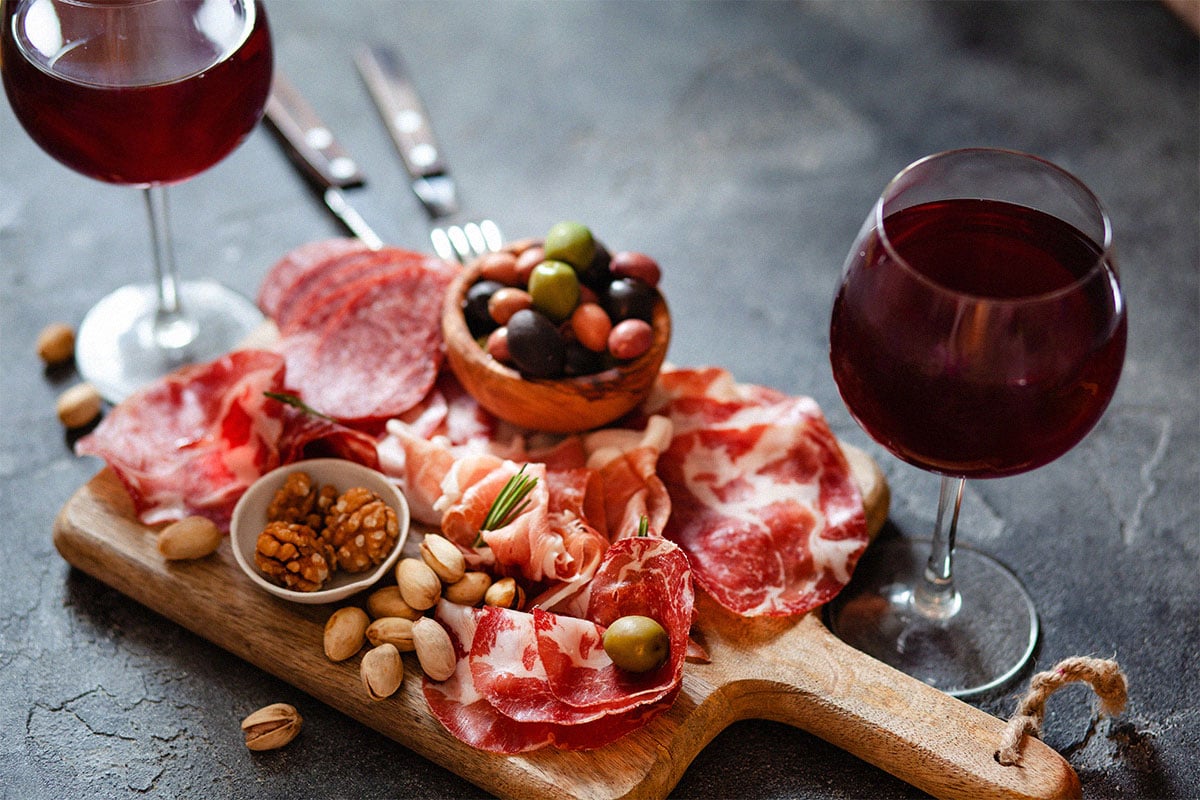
(407, 122)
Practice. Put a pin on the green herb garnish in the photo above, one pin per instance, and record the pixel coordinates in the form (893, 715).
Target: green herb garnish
(643, 525)
(512, 500)
(296, 402)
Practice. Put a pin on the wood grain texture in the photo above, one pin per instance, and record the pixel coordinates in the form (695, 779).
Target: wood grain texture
(790, 670)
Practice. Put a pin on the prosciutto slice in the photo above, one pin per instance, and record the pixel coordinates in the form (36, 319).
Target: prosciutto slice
(192, 442)
(762, 498)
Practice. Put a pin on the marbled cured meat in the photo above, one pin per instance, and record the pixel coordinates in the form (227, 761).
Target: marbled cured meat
(762, 499)
(192, 442)
(529, 680)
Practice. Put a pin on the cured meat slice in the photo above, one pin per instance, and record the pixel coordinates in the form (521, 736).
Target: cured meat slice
(378, 354)
(192, 442)
(317, 295)
(298, 262)
(762, 498)
(459, 705)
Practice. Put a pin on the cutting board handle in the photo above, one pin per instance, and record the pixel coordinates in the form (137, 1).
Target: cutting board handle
(810, 679)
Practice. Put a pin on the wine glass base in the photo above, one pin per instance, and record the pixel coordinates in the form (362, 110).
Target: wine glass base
(981, 646)
(118, 349)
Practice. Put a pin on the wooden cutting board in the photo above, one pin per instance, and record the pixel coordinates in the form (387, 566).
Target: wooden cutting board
(790, 670)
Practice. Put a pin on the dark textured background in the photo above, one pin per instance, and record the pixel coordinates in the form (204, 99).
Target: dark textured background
(742, 144)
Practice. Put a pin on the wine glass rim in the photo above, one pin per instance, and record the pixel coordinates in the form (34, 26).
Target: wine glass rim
(23, 43)
(1102, 261)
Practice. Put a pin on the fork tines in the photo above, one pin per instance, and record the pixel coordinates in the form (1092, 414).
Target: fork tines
(465, 242)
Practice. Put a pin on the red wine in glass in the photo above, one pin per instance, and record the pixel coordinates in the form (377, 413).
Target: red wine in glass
(143, 93)
(978, 331)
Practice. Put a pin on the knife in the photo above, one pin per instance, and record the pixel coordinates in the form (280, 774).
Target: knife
(310, 145)
(407, 122)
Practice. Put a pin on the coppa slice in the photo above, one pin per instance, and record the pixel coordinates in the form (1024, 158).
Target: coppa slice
(762, 497)
(463, 710)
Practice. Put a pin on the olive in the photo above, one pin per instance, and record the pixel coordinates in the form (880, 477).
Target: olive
(630, 338)
(631, 264)
(570, 242)
(630, 298)
(475, 307)
(591, 326)
(636, 643)
(554, 288)
(534, 345)
(579, 360)
(597, 274)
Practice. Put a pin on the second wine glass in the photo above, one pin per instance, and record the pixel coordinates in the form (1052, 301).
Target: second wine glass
(978, 331)
(143, 93)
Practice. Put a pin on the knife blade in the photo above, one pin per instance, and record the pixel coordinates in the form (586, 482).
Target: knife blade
(311, 146)
(395, 95)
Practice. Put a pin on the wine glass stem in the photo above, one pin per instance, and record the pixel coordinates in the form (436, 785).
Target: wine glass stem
(173, 329)
(936, 597)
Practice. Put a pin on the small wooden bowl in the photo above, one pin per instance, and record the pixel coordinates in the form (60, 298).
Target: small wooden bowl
(564, 405)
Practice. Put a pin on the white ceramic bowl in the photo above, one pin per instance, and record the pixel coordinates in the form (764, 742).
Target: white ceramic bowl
(250, 517)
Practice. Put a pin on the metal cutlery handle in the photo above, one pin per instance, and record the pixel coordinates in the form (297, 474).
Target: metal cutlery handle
(309, 142)
(403, 114)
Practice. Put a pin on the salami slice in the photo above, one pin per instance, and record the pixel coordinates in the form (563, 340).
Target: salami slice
(298, 262)
(762, 498)
(316, 295)
(376, 354)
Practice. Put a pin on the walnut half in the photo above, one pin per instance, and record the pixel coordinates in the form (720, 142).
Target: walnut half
(361, 528)
(294, 556)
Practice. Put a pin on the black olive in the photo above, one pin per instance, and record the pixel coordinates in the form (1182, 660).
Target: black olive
(597, 275)
(475, 307)
(581, 361)
(629, 298)
(535, 346)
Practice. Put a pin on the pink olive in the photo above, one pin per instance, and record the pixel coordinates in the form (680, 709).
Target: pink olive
(497, 345)
(630, 338)
(506, 302)
(500, 267)
(631, 264)
(591, 326)
(529, 259)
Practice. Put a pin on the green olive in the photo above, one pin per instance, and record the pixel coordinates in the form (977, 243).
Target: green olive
(570, 242)
(554, 287)
(636, 643)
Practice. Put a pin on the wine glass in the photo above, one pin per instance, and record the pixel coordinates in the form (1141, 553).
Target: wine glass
(142, 93)
(978, 331)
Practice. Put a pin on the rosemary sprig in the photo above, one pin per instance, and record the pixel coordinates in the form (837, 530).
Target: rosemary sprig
(643, 525)
(292, 400)
(512, 500)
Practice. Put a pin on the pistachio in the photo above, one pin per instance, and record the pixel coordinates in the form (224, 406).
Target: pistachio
(272, 726)
(443, 557)
(78, 406)
(345, 632)
(419, 584)
(469, 589)
(382, 671)
(387, 602)
(391, 630)
(434, 649)
(190, 537)
(505, 593)
(56, 343)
